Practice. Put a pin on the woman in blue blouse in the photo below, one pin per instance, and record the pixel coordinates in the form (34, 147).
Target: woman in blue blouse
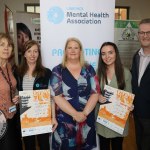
(75, 88)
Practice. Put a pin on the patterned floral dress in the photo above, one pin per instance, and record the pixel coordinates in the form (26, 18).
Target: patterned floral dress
(69, 134)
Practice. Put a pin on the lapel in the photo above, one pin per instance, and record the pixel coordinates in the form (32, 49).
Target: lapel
(147, 68)
(137, 59)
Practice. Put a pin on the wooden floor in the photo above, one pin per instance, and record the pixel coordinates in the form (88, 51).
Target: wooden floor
(129, 141)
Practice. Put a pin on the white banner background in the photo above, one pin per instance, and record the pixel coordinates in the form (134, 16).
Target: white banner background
(97, 27)
(93, 25)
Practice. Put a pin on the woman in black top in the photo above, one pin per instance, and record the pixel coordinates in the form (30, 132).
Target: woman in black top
(33, 76)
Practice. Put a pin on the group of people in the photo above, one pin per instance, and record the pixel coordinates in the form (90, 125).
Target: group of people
(78, 92)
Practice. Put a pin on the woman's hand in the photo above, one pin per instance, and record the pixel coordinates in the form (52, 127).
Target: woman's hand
(131, 108)
(54, 123)
(102, 99)
(79, 117)
(15, 100)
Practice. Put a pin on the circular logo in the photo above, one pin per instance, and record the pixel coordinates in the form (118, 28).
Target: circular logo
(55, 15)
(37, 85)
(3, 124)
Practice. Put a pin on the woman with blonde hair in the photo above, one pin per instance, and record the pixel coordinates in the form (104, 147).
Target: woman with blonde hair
(75, 90)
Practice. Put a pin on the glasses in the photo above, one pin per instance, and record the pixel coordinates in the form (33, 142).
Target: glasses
(141, 33)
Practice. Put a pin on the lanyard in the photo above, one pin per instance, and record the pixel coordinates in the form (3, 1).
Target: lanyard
(8, 81)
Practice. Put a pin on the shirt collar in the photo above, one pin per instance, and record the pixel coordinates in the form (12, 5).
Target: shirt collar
(141, 53)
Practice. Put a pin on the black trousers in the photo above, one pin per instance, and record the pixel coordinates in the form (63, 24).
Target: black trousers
(142, 130)
(114, 143)
(11, 139)
(43, 142)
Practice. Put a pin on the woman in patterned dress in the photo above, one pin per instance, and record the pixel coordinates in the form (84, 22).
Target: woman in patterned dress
(75, 89)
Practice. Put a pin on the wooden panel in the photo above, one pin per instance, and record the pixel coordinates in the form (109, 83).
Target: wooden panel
(129, 142)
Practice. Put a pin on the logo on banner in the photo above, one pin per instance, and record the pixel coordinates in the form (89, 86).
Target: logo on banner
(55, 15)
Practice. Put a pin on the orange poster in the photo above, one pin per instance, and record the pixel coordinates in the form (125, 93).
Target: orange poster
(35, 112)
(114, 113)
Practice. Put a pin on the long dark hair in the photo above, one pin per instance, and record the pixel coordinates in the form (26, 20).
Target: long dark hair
(39, 69)
(22, 27)
(119, 71)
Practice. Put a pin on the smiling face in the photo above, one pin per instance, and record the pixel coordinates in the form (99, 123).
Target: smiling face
(32, 54)
(5, 49)
(144, 38)
(73, 51)
(108, 55)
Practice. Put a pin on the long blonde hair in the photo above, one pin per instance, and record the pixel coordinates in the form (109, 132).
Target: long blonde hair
(82, 60)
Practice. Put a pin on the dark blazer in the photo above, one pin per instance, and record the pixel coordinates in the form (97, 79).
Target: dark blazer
(142, 92)
(39, 83)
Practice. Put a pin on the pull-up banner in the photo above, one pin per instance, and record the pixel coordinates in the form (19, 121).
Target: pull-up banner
(92, 22)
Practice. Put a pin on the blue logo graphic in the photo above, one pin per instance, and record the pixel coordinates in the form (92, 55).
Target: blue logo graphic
(55, 15)
(37, 85)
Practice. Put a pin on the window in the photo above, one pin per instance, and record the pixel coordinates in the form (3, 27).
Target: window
(122, 13)
(33, 8)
